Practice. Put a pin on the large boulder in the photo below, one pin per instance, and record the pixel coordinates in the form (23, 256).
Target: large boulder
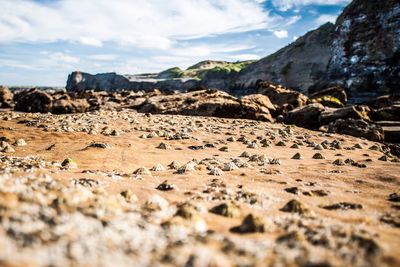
(334, 97)
(207, 103)
(307, 116)
(258, 99)
(337, 92)
(33, 101)
(281, 96)
(6, 97)
(65, 106)
(385, 101)
(357, 128)
(355, 112)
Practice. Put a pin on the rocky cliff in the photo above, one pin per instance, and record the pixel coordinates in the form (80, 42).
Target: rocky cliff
(298, 65)
(81, 81)
(365, 52)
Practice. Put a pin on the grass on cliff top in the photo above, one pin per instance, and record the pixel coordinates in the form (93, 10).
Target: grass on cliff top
(205, 69)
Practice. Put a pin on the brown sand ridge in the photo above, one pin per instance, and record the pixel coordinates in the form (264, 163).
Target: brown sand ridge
(109, 204)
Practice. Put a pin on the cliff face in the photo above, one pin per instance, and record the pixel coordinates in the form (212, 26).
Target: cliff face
(81, 81)
(298, 65)
(366, 49)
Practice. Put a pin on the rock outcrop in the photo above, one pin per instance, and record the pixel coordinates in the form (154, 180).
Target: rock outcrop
(280, 96)
(357, 128)
(81, 81)
(6, 97)
(33, 101)
(307, 116)
(366, 50)
(208, 103)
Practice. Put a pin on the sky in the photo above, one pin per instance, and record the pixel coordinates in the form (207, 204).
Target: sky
(42, 41)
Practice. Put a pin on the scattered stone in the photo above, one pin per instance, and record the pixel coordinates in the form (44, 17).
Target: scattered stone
(318, 147)
(296, 146)
(129, 196)
(245, 154)
(383, 158)
(343, 206)
(69, 163)
(100, 145)
(174, 165)
(318, 156)
(250, 224)
(391, 219)
(394, 197)
(156, 203)
(253, 145)
(339, 162)
(228, 209)
(20, 142)
(165, 186)
(297, 156)
(158, 168)
(320, 192)
(292, 190)
(190, 166)
(142, 171)
(281, 143)
(230, 166)
(294, 206)
(224, 149)
(216, 171)
(164, 146)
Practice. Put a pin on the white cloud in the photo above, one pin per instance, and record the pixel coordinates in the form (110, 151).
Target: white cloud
(285, 5)
(281, 34)
(141, 23)
(103, 57)
(243, 57)
(63, 58)
(90, 41)
(322, 19)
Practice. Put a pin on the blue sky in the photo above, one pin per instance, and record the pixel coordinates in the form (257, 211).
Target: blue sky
(42, 41)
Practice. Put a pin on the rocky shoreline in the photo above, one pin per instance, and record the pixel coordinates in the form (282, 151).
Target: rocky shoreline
(327, 110)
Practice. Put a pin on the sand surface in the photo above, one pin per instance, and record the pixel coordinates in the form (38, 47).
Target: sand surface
(63, 216)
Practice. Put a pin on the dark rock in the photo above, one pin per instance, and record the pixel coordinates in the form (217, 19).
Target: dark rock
(337, 92)
(292, 190)
(343, 206)
(229, 209)
(391, 219)
(394, 197)
(208, 103)
(391, 113)
(250, 224)
(355, 112)
(33, 101)
(307, 116)
(67, 106)
(361, 62)
(294, 206)
(281, 96)
(165, 186)
(357, 128)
